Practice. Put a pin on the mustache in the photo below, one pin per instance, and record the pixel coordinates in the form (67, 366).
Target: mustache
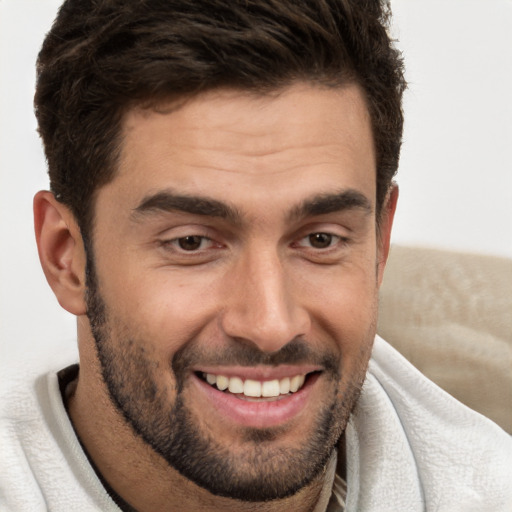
(243, 353)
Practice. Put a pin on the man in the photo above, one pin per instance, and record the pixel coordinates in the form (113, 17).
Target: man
(219, 220)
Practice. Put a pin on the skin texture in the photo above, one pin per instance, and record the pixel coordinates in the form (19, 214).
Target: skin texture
(251, 292)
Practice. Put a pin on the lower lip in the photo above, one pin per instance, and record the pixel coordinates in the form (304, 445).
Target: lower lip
(257, 414)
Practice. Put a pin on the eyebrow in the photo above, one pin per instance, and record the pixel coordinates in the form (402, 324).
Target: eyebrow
(322, 204)
(167, 201)
(332, 203)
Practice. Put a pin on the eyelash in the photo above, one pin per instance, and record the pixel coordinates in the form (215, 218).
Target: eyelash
(175, 243)
(307, 242)
(333, 240)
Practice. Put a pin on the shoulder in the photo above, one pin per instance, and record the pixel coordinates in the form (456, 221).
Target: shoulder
(412, 440)
(43, 465)
(24, 438)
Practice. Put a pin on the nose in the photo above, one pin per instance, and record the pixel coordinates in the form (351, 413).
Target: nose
(263, 306)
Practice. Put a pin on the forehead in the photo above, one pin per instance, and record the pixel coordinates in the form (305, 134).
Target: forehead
(311, 105)
(229, 141)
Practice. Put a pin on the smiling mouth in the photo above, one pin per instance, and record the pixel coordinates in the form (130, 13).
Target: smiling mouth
(249, 389)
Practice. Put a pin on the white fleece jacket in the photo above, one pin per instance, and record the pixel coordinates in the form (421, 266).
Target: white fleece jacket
(410, 447)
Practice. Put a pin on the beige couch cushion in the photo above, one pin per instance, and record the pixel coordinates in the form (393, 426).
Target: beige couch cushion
(450, 314)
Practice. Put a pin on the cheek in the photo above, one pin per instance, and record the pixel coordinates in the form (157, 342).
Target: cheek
(347, 294)
(344, 310)
(160, 308)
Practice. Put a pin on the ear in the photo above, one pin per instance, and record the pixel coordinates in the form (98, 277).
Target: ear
(387, 215)
(61, 251)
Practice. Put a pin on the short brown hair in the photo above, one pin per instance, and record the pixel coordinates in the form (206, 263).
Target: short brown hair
(102, 57)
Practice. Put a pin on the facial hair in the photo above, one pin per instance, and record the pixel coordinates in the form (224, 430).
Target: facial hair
(265, 470)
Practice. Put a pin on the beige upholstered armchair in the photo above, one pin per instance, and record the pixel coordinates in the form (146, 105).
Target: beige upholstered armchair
(450, 314)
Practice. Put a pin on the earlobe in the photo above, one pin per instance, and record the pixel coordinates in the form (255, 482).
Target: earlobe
(384, 231)
(61, 251)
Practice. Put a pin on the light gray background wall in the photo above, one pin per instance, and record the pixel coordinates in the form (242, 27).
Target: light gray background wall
(455, 174)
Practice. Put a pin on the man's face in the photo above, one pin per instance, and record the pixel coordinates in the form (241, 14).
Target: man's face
(237, 248)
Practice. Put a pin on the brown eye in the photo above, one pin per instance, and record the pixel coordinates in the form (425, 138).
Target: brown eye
(190, 243)
(320, 240)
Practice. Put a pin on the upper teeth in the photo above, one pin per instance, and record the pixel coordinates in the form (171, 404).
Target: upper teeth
(254, 388)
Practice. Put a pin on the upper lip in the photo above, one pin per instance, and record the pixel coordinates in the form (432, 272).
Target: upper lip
(261, 373)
